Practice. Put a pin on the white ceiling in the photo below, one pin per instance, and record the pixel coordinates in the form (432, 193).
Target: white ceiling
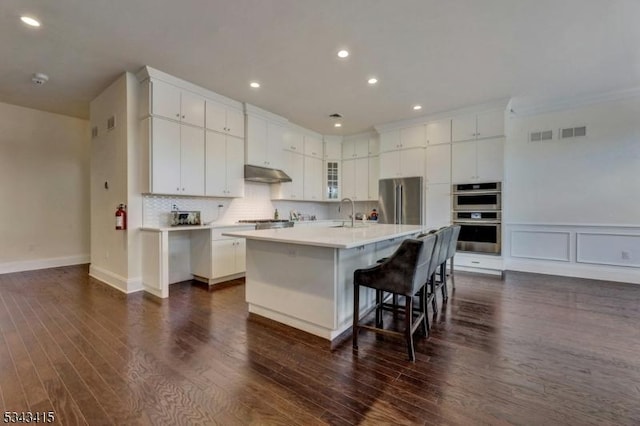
(443, 54)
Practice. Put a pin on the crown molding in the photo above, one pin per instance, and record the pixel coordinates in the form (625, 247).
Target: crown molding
(148, 72)
(560, 104)
(486, 106)
(254, 110)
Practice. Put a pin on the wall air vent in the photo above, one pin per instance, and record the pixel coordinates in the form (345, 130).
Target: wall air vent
(111, 122)
(94, 132)
(573, 132)
(542, 135)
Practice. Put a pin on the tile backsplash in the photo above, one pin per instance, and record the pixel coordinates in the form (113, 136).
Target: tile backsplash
(256, 204)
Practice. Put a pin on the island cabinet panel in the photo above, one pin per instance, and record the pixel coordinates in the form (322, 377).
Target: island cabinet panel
(302, 291)
(348, 261)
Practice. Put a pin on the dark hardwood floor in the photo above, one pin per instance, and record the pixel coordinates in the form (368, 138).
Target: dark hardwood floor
(529, 349)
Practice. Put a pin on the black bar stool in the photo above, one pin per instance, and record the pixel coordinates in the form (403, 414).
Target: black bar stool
(404, 273)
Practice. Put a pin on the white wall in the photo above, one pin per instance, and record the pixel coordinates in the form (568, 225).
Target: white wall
(585, 180)
(115, 159)
(572, 206)
(44, 175)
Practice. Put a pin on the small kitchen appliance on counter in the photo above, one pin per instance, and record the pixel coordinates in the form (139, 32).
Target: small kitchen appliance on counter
(185, 218)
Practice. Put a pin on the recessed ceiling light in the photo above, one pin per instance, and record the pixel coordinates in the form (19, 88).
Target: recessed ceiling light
(372, 80)
(337, 125)
(254, 84)
(417, 107)
(343, 54)
(32, 22)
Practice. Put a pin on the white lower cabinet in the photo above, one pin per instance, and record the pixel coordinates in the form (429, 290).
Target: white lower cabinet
(228, 257)
(216, 258)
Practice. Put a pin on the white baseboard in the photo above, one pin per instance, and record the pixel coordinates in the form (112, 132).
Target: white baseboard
(130, 285)
(607, 273)
(52, 262)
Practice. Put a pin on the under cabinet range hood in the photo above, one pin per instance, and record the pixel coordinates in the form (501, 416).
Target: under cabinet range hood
(264, 174)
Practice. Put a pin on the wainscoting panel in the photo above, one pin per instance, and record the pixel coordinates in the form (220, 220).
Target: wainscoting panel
(541, 245)
(608, 249)
(601, 252)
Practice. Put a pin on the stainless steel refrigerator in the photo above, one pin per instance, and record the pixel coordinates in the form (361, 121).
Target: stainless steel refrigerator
(401, 201)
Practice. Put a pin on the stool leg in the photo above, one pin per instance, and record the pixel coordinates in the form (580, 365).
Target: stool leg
(395, 306)
(408, 320)
(379, 302)
(443, 275)
(453, 277)
(434, 301)
(423, 310)
(356, 314)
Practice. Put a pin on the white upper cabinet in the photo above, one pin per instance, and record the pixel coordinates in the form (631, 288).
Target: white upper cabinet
(224, 119)
(171, 102)
(485, 125)
(438, 163)
(490, 160)
(224, 165)
(438, 132)
(477, 161)
(313, 178)
(413, 137)
(355, 179)
(438, 201)
(408, 137)
(313, 147)
(355, 148)
(490, 124)
(374, 176)
(374, 146)
(402, 163)
(293, 165)
(390, 141)
(332, 149)
(293, 141)
(176, 158)
(264, 142)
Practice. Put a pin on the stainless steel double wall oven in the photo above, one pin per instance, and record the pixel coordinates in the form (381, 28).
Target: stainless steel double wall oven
(477, 208)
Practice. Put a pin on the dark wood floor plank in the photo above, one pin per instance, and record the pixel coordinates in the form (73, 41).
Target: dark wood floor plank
(529, 349)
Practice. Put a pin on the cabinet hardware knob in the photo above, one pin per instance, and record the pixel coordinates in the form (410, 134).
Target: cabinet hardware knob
(178, 115)
(183, 116)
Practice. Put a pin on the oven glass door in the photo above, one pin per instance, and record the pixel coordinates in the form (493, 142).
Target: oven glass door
(479, 237)
(470, 201)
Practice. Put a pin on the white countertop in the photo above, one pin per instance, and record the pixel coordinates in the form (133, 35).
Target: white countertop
(341, 238)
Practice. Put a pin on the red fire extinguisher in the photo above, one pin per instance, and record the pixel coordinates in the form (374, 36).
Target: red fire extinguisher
(121, 218)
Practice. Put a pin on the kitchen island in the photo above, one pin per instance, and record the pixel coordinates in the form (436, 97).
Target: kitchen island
(303, 277)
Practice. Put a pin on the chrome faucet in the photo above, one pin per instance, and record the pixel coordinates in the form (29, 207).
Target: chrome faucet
(353, 209)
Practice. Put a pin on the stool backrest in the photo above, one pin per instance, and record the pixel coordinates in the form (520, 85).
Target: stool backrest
(433, 265)
(424, 262)
(453, 241)
(444, 244)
